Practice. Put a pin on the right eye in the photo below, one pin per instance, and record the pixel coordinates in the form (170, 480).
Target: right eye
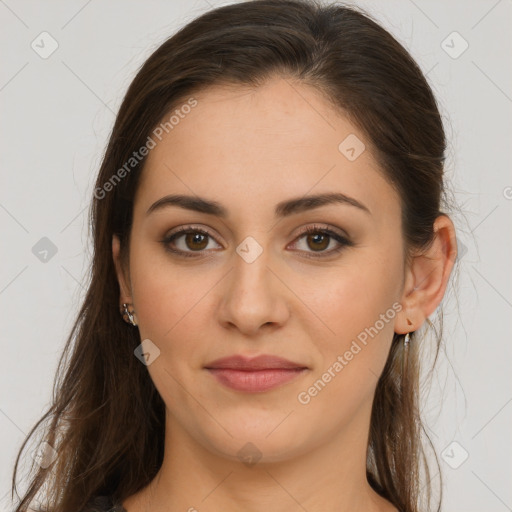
(193, 240)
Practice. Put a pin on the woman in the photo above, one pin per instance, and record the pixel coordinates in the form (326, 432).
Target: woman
(268, 240)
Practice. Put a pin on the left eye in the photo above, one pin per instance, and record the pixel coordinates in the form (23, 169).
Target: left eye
(319, 238)
(195, 239)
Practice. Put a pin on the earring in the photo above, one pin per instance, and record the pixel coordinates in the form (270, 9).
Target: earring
(407, 337)
(128, 316)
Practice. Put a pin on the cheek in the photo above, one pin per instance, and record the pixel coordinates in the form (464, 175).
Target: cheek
(160, 298)
(351, 360)
(354, 296)
(168, 306)
(169, 302)
(358, 305)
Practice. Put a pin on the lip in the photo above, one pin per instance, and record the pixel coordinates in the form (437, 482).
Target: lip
(262, 362)
(256, 374)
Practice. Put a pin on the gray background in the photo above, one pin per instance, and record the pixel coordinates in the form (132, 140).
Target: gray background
(56, 115)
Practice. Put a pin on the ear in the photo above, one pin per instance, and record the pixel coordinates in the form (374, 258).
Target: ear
(121, 272)
(427, 277)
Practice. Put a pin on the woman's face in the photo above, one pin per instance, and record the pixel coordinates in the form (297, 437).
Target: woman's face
(256, 283)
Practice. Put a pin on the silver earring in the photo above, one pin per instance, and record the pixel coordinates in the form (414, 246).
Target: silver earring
(405, 358)
(128, 316)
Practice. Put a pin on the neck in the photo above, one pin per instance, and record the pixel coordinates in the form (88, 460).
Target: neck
(331, 476)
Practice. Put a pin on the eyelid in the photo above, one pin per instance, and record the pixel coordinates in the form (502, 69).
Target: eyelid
(189, 227)
(323, 227)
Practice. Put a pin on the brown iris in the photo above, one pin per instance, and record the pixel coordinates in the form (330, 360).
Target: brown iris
(193, 238)
(315, 238)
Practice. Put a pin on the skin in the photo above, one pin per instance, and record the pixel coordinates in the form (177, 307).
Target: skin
(249, 149)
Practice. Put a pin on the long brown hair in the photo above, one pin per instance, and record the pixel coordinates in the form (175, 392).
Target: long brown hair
(106, 419)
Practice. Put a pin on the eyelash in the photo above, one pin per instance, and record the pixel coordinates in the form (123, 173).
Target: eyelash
(344, 242)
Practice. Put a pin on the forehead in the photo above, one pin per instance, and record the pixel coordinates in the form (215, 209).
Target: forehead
(279, 139)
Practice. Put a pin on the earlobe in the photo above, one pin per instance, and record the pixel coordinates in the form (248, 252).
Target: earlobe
(427, 277)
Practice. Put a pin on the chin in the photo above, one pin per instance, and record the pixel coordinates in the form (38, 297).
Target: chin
(268, 441)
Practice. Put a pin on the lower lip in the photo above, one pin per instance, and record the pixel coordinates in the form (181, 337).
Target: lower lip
(256, 380)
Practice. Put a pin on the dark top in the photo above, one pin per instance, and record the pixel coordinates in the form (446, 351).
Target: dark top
(104, 504)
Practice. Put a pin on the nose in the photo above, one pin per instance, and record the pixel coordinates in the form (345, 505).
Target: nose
(254, 296)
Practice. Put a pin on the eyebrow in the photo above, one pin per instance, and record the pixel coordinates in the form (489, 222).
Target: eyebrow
(282, 209)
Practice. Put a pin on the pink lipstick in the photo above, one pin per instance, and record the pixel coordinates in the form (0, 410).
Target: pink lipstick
(254, 375)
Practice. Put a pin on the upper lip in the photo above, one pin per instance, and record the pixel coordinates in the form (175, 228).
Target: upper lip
(262, 362)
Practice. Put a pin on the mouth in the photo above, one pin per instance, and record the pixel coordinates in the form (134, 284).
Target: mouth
(253, 375)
